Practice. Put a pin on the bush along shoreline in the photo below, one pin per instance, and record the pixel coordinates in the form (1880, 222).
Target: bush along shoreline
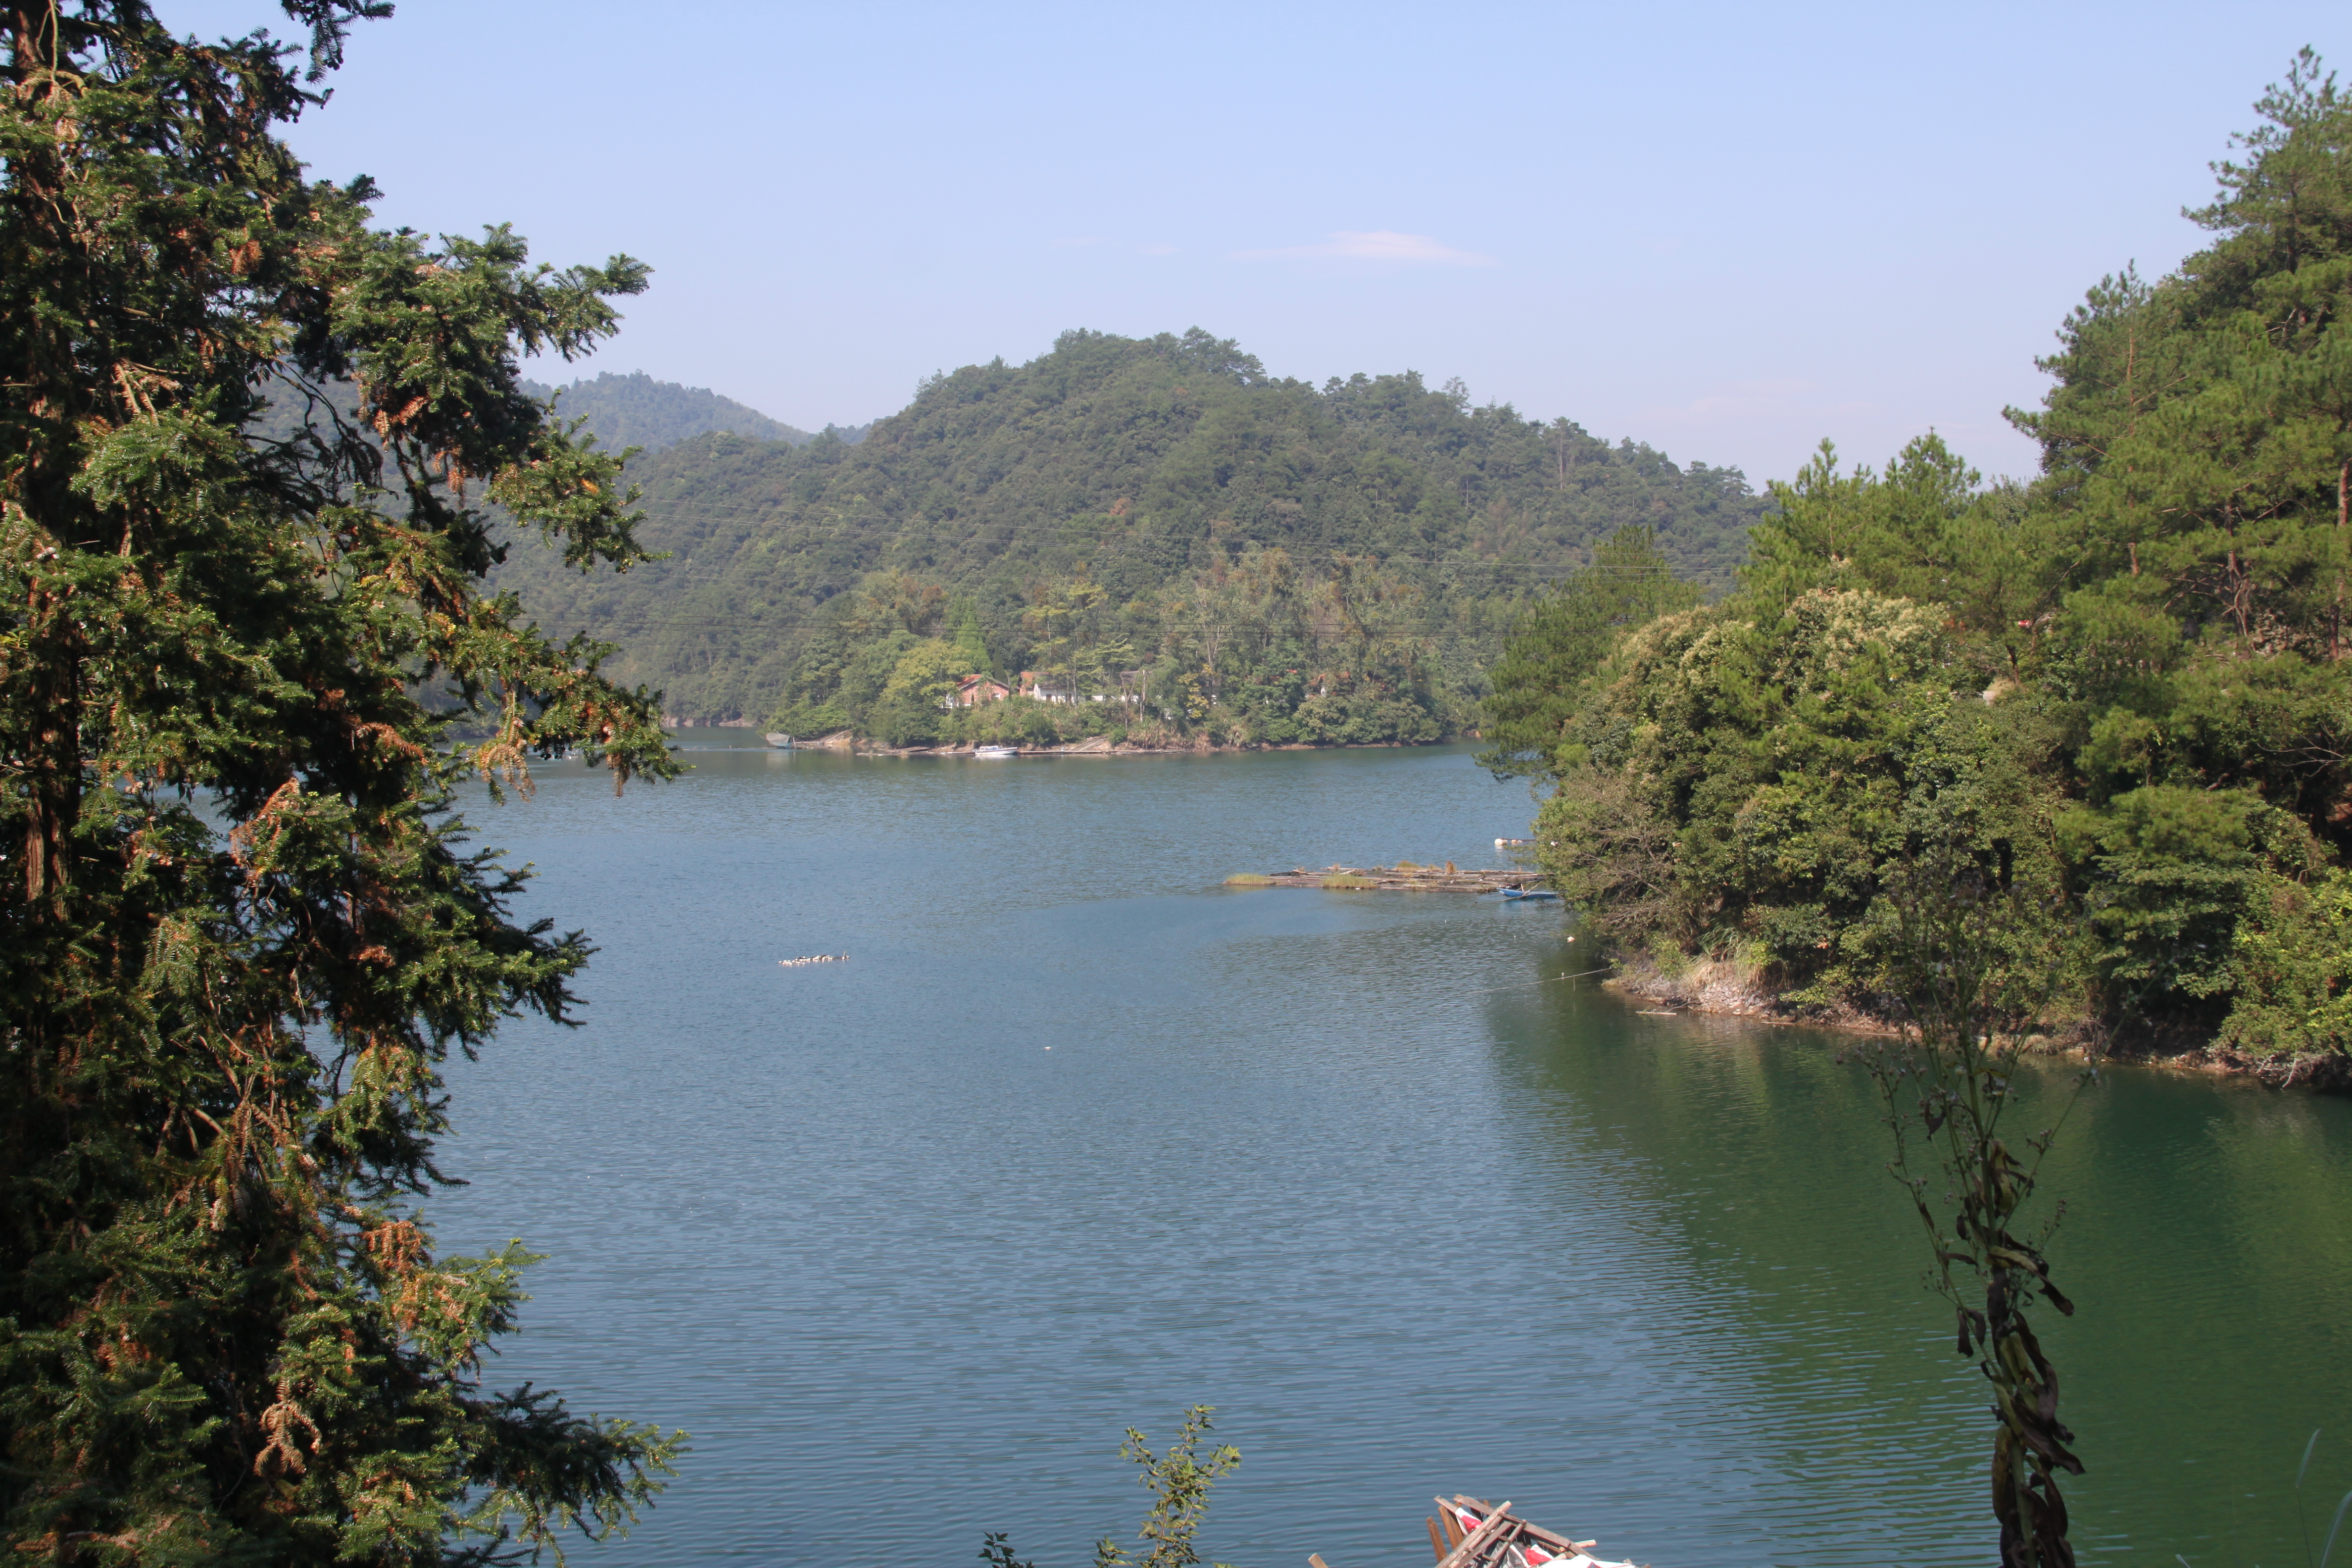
(903, 665)
(1140, 740)
(2123, 690)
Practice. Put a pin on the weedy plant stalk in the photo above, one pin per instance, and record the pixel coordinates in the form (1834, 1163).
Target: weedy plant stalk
(1179, 1480)
(1970, 968)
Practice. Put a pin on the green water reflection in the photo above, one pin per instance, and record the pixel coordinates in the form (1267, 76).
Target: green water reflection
(2205, 1240)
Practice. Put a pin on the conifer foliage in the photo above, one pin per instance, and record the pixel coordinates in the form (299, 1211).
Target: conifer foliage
(241, 927)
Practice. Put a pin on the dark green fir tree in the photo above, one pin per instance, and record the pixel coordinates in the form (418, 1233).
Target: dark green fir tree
(1563, 639)
(244, 673)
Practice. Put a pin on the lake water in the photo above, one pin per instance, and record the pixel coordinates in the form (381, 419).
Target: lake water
(1076, 1138)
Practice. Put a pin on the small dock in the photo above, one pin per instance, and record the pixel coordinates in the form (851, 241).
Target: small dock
(1404, 877)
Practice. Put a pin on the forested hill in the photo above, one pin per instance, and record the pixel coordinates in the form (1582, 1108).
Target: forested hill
(636, 410)
(1125, 510)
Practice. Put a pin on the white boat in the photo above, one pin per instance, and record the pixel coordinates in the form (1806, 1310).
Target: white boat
(996, 753)
(783, 743)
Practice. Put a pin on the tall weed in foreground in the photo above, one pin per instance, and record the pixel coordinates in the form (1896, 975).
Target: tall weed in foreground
(1179, 1481)
(1971, 963)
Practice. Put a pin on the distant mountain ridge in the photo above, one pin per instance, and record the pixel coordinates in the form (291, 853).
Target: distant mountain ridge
(1096, 504)
(633, 409)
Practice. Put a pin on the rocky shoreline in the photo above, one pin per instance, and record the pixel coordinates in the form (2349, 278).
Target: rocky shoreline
(1721, 988)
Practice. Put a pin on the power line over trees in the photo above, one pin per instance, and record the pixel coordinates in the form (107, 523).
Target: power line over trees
(242, 926)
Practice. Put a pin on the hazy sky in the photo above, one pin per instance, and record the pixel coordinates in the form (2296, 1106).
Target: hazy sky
(1727, 230)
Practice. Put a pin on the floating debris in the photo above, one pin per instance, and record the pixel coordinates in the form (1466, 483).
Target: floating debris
(820, 958)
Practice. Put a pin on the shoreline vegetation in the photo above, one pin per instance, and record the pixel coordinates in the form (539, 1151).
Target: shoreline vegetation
(1162, 744)
(2120, 692)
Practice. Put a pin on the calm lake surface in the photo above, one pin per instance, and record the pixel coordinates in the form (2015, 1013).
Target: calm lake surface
(1076, 1138)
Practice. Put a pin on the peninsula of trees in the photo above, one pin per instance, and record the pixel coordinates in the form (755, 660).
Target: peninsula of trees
(2122, 688)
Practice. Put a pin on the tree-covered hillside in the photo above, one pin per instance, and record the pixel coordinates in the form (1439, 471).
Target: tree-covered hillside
(1148, 518)
(636, 410)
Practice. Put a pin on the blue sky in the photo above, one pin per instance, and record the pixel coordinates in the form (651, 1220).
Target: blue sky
(1727, 230)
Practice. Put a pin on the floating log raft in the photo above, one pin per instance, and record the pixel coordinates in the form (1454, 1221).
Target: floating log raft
(1403, 876)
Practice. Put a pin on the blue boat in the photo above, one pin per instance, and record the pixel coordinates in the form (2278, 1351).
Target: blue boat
(1530, 895)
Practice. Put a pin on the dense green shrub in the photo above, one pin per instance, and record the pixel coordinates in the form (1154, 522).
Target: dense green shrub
(2292, 963)
(1780, 768)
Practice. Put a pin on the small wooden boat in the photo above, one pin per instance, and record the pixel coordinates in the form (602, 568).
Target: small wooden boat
(996, 753)
(781, 743)
(1530, 896)
(1474, 1535)
(1469, 1532)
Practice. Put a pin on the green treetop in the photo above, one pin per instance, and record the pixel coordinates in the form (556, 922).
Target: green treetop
(2197, 455)
(241, 928)
(1563, 639)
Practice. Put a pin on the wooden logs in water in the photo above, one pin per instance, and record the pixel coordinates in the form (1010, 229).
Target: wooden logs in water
(1403, 876)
